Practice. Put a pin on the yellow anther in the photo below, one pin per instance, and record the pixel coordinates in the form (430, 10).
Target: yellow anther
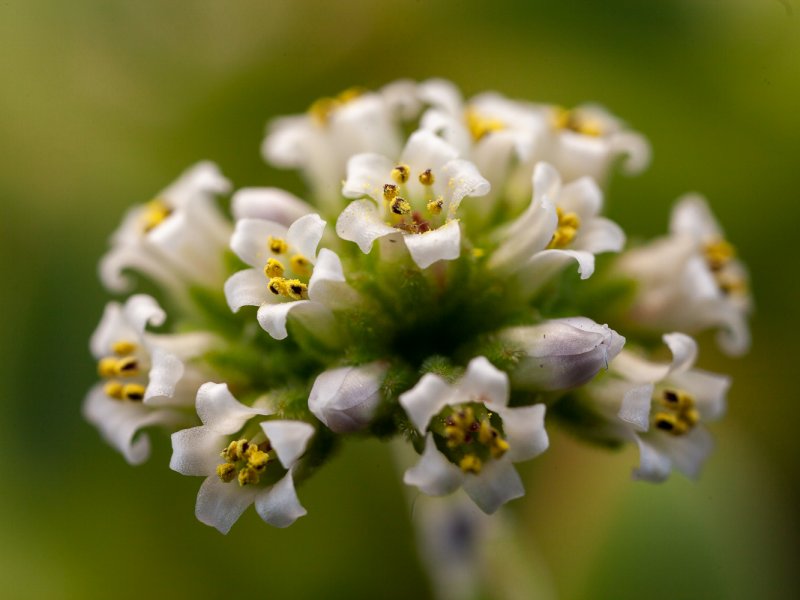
(277, 285)
(426, 177)
(295, 289)
(499, 447)
(455, 435)
(573, 120)
(155, 212)
(677, 399)
(435, 206)
(322, 109)
(273, 268)
(300, 265)
(350, 94)
(470, 464)
(718, 254)
(277, 245)
(731, 284)
(671, 423)
(107, 367)
(123, 347)
(113, 389)
(401, 173)
(478, 252)
(226, 472)
(127, 367)
(566, 230)
(691, 417)
(389, 191)
(248, 476)
(256, 458)
(133, 391)
(480, 126)
(486, 433)
(235, 450)
(400, 206)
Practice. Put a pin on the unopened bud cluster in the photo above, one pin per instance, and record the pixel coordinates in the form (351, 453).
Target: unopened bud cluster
(441, 288)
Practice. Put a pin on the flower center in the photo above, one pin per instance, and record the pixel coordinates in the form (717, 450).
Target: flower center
(566, 230)
(719, 255)
(576, 121)
(244, 461)
(323, 109)
(286, 280)
(480, 126)
(123, 364)
(155, 212)
(401, 214)
(679, 415)
(470, 438)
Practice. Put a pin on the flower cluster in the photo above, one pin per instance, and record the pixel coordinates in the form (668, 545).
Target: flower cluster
(428, 288)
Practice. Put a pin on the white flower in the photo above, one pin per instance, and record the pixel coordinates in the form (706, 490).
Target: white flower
(561, 353)
(243, 462)
(414, 199)
(270, 204)
(146, 375)
(345, 399)
(560, 225)
(472, 436)
(662, 407)
(691, 280)
(176, 239)
(287, 275)
(320, 142)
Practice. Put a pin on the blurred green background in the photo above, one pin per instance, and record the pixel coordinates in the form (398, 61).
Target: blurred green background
(103, 103)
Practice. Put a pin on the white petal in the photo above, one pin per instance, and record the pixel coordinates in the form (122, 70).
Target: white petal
(304, 235)
(269, 204)
(142, 310)
(525, 432)
(203, 178)
(635, 407)
(708, 389)
(691, 215)
(165, 373)
(120, 258)
(328, 285)
(443, 243)
(434, 475)
(345, 399)
(250, 240)
(220, 504)
(272, 317)
(484, 383)
(220, 411)
(544, 265)
(582, 196)
(654, 464)
(246, 288)
(289, 439)
(497, 483)
(600, 235)
(111, 328)
(463, 179)
(196, 451)
(361, 223)
(638, 369)
(689, 452)
(366, 176)
(425, 400)
(119, 422)
(443, 94)
(426, 150)
(401, 98)
(635, 147)
(279, 505)
(684, 351)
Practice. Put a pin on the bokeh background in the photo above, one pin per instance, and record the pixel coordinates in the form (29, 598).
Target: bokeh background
(103, 103)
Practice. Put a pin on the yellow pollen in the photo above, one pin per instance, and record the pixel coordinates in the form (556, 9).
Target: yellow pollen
(499, 447)
(300, 265)
(155, 212)
(248, 476)
(479, 127)
(123, 348)
(426, 177)
(273, 268)
(322, 109)
(401, 173)
(676, 399)
(277, 285)
(107, 367)
(235, 450)
(133, 391)
(573, 120)
(277, 245)
(295, 289)
(486, 432)
(680, 415)
(350, 94)
(400, 206)
(731, 284)
(566, 230)
(127, 367)
(435, 206)
(226, 472)
(113, 389)
(389, 191)
(256, 458)
(718, 254)
(470, 464)
(670, 423)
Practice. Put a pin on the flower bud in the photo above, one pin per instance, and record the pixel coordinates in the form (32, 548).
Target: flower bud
(560, 354)
(345, 399)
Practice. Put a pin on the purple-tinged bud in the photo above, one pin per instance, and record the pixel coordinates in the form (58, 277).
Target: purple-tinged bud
(345, 399)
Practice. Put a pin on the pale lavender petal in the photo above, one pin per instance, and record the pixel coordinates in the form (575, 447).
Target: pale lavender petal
(279, 505)
(220, 411)
(220, 504)
(433, 474)
(635, 407)
(196, 451)
(425, 400)
(525, 432)
(484, 383)
(289, 439)
(497, 483)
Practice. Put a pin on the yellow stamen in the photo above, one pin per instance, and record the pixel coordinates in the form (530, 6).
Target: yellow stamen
(235, 450)
(470, 464)
(113, 389)
(499, 447)
(226, 472)
(350, 94)
(718, 254)
(155, 212)
(400, 206)
(670, 423)
(123, 347)
(426, 177)
(248, 476)
(256, 458)
(566, 230)
(295, 289)
(677, 399)
(486, 433)
(478, 252)
(300, 265)
(479, 127)
(277, 285)
(401, 173)
(435, 206)
(277, 245)
(107, 367)
(322, 109)
(127, 366)
(273, 268)
(389, 192)
(574, 120)
(133, 391)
